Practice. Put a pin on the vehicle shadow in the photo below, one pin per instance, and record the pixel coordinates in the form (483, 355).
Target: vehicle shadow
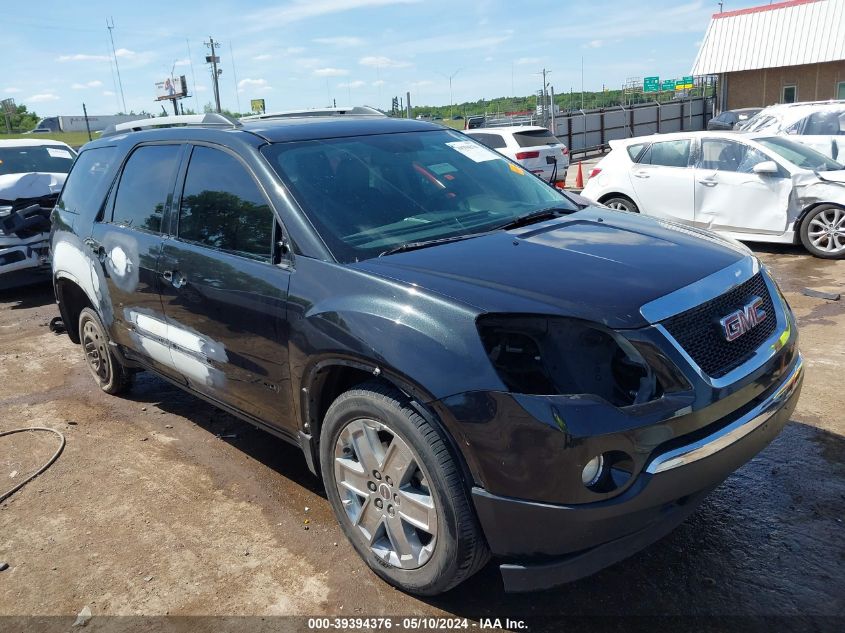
(275, 453)
(23, 297)
(766, 542)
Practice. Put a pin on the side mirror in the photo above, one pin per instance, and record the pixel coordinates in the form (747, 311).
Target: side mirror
(766, 168)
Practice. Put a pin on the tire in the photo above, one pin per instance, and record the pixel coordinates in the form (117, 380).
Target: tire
(621, 203)
(108, 372)
(361, 429)
(823, 232)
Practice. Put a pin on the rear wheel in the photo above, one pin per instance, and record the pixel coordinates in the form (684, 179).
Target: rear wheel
(397, 492)
(107, 370)
(823, 232)
(621, 203)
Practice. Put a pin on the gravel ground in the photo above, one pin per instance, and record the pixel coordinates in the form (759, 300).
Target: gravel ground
(153, 509)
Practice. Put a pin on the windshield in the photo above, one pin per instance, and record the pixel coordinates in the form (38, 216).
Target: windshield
(800, 155)
(370, 194)
(24, 159)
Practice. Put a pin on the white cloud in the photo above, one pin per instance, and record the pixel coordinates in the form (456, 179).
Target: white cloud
(10, 90)
(82, 57)
(379, 82)
(420, 84)
(594, 44)
(527, 61)
(637, 21)
(42, 97)
(294, 50)
(182, 62)
(124, 53)
(488, 59)
(341, 41)
(376, 61)
(261, 58)
(108, 93)
(352, 84)
(303, 9)
(454, 42)
(253, 84)
(201, 89)
(331, 72)
(90, 84)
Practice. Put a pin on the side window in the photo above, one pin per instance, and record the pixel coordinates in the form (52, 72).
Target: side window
(725, 155)
(667, 154)
(490, 140)
(82, 183)
(223, 208)
(824, 123)
(790, 94)
(144, 187)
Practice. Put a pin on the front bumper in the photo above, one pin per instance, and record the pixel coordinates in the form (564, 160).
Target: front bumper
(547, 544)
(18, 254)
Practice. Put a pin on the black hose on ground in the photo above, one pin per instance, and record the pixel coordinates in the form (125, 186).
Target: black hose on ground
(49, 463)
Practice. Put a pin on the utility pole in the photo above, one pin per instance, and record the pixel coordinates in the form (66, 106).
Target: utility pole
(110, 27)
(450, 78)
(215, 72)
(87, 127)
(582, 82)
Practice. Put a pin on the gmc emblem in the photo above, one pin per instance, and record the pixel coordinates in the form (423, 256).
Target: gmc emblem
(746, 318)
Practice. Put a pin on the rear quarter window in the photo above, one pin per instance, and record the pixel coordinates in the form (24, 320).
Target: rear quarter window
(84, 187)
(635, 150)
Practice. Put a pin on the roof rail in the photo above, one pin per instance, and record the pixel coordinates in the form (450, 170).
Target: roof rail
(316, 112)
(210, 119)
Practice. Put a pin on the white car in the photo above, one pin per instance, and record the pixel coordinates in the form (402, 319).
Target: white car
(754, 188)
(819, 124)
(31, 172)
(533, 147)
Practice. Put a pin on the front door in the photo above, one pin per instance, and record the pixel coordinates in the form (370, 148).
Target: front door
(224, 295)
(730, 197)
(662, 178)
(127, 242)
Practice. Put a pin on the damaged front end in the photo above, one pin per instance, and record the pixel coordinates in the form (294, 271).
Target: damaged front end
(813, 188)
(24, 238)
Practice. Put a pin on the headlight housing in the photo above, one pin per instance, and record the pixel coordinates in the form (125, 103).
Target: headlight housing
(562, 356)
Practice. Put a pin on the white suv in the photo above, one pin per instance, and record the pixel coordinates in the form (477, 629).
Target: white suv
(533, 147)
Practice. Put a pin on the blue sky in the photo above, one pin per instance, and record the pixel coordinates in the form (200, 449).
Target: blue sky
(302, 53)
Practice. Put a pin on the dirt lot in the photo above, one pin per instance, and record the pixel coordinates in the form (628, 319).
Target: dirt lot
(150, 511)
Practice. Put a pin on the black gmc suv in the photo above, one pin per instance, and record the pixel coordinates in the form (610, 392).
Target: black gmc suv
(473, 364)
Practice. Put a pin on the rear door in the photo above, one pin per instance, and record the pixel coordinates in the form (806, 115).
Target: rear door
(663, 180)
(127, 243)
(729, 196)
(225, 287)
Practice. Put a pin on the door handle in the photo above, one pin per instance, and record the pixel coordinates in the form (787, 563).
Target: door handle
(175, 278)
(93, 244)
(708, 183)
(642, 174)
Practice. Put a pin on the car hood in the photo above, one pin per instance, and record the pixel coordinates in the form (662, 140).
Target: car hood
(595, 264)
(30, 185)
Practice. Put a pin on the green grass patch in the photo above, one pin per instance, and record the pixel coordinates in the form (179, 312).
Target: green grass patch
(74, 139)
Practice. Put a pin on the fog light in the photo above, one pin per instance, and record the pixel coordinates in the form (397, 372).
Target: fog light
(592, 471)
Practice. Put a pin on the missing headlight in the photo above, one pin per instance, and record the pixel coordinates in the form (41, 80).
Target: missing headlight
(538, 355)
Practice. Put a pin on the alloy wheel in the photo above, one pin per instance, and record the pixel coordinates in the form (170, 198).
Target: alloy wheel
(827, 230)
(96, 352)
(385, 493)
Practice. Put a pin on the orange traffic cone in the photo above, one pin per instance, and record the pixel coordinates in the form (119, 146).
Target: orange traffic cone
(579, 178)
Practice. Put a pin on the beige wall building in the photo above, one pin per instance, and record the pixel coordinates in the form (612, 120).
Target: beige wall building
(776, 53)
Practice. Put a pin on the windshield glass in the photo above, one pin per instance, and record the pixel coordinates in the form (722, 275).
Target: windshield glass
(369, 194)
(31, 158)
(800, 155)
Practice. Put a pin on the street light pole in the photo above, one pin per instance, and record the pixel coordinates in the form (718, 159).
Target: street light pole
(450, 78)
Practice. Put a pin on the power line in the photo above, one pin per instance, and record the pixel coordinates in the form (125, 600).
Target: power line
(110, 27)
(235, 76)
(193, 75)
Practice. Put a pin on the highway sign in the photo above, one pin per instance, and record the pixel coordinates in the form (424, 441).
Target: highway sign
(651, 84)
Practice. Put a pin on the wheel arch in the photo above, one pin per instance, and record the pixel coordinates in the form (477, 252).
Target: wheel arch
(329, 377)
(71, 298)
(806, 212)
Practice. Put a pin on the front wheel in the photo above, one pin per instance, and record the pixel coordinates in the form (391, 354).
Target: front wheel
(823, 232)
(398, 493)
(621, 203)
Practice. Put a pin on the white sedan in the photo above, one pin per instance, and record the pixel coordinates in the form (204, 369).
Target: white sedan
(750, 187)
(533, 147)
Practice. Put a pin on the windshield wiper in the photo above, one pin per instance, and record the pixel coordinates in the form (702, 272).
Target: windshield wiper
(412, 246)
(535, 216)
